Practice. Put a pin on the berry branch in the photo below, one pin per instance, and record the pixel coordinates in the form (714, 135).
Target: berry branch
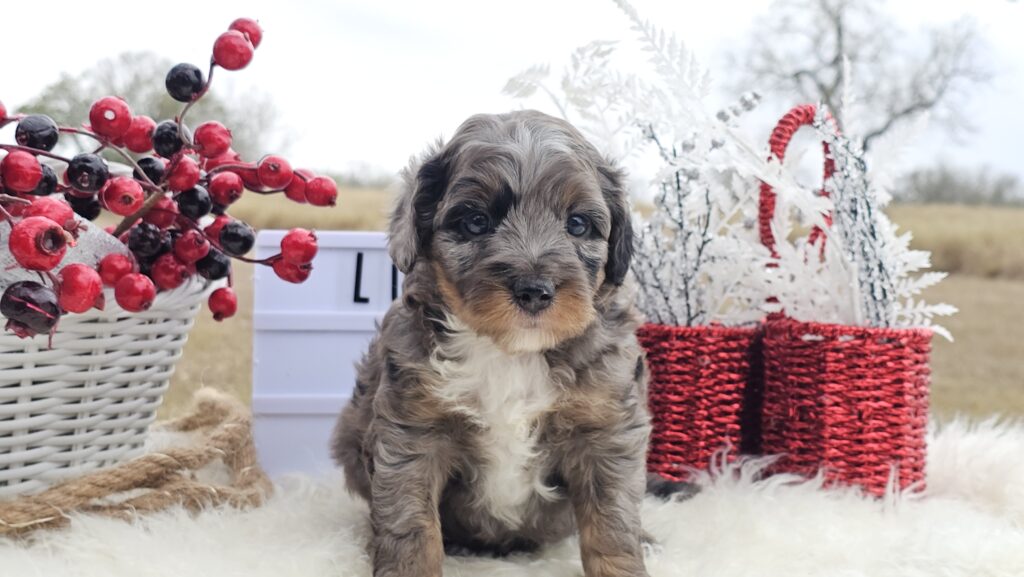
(174, 206)
(10, 147)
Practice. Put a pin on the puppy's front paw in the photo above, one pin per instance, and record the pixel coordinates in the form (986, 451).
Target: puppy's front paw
(664, 489)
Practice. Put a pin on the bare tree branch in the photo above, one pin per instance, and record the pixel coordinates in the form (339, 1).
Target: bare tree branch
(800, 47)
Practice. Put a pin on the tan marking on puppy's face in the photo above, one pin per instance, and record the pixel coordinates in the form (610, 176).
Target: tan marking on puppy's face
(494, 314)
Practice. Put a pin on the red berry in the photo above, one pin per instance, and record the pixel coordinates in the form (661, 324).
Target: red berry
(54, 208)
(135, 292)
(122, 195)
(298, 246)
(168, 272)
(38, 243)
(228, 157)
(250, 176)
(250, 28)
(80, 288)
(212, 139)
(295, 273)
(232, 50)
(20, 171)
(114, 266)
(139, 136)
(110, 117)
(274, 172)
(163, 213)
(296, 190)
(212, 231)
(223, 303)
(184, 174)
(226, 188)
(322, 191)
(191, 246)
(3, 111)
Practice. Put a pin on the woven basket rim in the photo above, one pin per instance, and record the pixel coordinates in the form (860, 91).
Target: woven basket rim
(787, 324)
(700, 330)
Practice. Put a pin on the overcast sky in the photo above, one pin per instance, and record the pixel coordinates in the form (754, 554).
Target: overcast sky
(371, 81)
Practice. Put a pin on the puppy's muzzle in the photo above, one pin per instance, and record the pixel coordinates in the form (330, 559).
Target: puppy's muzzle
(533, 294)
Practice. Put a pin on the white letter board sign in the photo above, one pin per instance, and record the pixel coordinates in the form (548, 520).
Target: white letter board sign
(306, 340)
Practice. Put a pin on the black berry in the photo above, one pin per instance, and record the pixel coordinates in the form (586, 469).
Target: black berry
(47, 184)
(237, 238)
(30, 308)
(194, 203)
(167, 242)
(146, 261)
(87, 207)
(37, 131)
(145, 240)
(214, 266)
(166, 141)
(87, 172)
(152, 167)
(184, 82)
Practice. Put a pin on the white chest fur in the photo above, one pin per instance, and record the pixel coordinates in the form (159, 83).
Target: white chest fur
(505, 395)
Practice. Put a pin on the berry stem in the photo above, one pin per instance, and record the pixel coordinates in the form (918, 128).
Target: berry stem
(266, 190)
(131, 219)
(226, 167)
(180, 119)
(6, 216)
(8, 199)
(269, 261)
(36, 152)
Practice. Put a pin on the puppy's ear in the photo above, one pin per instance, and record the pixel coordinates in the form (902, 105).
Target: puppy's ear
(620, 239)
(412, 219)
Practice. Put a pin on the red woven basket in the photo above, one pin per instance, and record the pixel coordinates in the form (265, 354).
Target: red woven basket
(703, 394)
(851, 401)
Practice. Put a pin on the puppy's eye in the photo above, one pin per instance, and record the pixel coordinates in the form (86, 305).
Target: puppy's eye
(577, 225)
(476, 224)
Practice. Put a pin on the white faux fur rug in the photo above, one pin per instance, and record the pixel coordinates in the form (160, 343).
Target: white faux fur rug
(970, 522)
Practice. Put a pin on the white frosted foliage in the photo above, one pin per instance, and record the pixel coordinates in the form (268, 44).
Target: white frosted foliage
(699, 258)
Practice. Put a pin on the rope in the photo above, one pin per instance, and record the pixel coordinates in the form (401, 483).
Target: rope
(167, 476)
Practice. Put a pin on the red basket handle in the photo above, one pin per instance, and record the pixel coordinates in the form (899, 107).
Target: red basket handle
(796, 118)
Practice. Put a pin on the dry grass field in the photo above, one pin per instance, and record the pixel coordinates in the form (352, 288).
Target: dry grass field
(981, 373)
(982, 241)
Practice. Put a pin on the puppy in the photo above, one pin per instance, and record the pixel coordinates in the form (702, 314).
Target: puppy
(502, 404)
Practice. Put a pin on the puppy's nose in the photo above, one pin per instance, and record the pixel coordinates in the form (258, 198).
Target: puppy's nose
(533, 294)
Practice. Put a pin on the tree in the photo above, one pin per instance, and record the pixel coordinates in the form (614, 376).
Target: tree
(950, 184)
(138, 77)
(814, 48)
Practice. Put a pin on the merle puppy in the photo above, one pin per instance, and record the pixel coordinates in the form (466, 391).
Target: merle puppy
(503, 403)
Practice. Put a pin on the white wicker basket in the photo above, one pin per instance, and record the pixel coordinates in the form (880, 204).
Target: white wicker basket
(87, 402)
